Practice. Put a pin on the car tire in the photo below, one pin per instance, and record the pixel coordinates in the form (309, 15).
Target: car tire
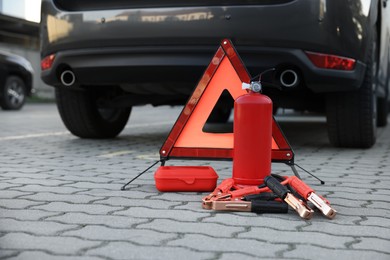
(222, 109)
(83, 117)
(219, 115)
(13, 94)
(352, 116)
(383, 110)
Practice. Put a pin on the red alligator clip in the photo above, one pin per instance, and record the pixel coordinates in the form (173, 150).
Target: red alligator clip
(222, 188)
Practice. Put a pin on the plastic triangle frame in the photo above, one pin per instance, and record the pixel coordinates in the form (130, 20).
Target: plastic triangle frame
(186, 140)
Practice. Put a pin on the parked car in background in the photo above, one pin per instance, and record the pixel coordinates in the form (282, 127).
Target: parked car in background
(16, 77)
(103, 57)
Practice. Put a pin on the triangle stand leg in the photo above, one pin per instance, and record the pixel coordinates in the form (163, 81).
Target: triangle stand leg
(295, 171)
(147, 169)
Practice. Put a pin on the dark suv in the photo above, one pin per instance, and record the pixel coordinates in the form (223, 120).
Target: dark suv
(104, 57)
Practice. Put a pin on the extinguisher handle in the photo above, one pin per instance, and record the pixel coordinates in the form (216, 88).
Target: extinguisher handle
(276, 187)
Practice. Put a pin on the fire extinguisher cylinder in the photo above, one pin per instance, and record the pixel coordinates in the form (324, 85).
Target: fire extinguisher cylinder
(252, 138)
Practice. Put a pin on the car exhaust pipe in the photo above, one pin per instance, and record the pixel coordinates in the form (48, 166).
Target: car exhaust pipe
(289, 78)
(67, 78)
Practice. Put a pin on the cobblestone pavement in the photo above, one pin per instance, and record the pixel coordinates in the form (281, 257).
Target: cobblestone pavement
(60, 197)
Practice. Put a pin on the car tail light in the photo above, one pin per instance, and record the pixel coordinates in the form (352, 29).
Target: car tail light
(326, 61)
(47, 62)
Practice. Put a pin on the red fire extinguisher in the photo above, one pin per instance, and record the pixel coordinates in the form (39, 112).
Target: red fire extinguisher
(252, 136)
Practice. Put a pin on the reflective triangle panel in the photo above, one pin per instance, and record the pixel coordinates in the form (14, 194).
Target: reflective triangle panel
(187, 140)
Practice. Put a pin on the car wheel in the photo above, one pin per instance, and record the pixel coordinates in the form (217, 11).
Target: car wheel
(352, 116)
(13, 94)
(82, 116)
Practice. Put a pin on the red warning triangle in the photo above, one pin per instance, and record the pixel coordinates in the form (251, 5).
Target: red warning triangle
(226, 71)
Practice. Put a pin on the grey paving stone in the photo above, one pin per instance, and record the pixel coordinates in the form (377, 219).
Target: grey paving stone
(27, 176)
(147, 187)
(18, 203)
(349, 230)
(313, 252)
(43, 188)
(137, 236)
(24, 214)
(92, 185)
(106, 220)
(54, 197)
(179, 215)
(35, 227)
(10, 194)
(193, 206)
(71, 182)
(174, 196)
(174, 226)
(241, 256)
(6, 254)
(28, 255)
(117, 193)
(53, 244)
(346, 211)
(252, 219)
(380, 245)
(130, 202)
(379, 205)
(76, 178)
(73, 207)
(297, 237)
(348, 203)
(20, 170)
(38, 181)
(122, 250)
(376, 221)
(383, 192)
(7, 183)
(364, 196)
(234, 245)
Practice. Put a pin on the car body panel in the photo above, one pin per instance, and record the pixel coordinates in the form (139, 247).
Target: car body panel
(123, 42)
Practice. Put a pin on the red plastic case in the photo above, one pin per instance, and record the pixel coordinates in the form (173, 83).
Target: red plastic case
(185, 178)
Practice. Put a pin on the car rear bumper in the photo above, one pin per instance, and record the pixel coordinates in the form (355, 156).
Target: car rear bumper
(155, 65)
